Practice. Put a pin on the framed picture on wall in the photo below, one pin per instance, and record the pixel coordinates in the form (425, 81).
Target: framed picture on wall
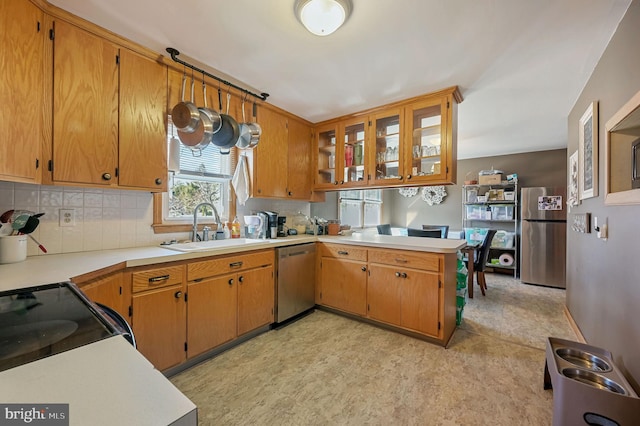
(572, 192)
(588, 152)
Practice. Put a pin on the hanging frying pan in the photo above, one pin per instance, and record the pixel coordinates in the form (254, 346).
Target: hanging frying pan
(244, 139)
(185, 115)
(256, 129)
(228, 134)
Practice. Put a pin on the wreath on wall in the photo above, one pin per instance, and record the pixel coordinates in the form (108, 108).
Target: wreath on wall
(433, 194)
(408, 192)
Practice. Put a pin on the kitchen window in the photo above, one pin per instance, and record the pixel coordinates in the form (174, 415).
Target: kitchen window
(360, 208)
(197, 177)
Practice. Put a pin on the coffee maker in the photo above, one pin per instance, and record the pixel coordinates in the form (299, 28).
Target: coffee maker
(271, 224)
(281, 221)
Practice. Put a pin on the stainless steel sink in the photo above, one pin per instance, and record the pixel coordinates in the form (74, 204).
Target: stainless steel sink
(214, 244)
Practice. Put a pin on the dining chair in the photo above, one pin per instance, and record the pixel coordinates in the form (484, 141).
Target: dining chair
(480, 261)
(444, 229)
(384, 229)
(430, 233)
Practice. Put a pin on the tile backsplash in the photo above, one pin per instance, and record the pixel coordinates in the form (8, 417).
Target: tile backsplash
(104, 218)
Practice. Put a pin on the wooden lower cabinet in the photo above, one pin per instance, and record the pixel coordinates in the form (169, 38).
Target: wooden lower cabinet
(414, 291)
(256, 298)
(212, 313)
(344, 285)
(109, 290)
(159, 325)
(159, 314)
(222, 304)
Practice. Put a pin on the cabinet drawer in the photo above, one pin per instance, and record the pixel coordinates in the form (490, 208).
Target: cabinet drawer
(344, 252)
(231, 263)
(156, 278)
(408, 259)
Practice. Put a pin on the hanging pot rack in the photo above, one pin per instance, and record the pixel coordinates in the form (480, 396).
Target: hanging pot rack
(174, 55)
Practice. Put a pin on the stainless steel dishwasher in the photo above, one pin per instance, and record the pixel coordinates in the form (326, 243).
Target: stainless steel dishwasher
(296, 280)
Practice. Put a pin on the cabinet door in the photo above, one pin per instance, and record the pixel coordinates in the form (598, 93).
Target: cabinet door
(344, 285)
(159, 325)
(326, 152)
(420, 301)
(255, 298)
(383, 294)
(387, 150)
(21, 89)
(212, 313)
(428, 155)
(85, 107)
(353, 134)
(299, 155)
(142, 147)
(110, 291)
(270, 163)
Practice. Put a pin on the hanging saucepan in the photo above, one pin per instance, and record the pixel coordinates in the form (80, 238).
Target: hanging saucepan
(256, 129)
(185, 115)
(228, 134)
(214, 116)
(202, 135)
(244, 140)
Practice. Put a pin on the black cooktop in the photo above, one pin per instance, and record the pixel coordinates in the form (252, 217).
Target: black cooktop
(41, 321)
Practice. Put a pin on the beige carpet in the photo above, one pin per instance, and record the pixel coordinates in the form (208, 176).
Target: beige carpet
(329, 370)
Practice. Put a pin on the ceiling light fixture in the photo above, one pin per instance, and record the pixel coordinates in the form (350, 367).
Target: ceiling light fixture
(322, 17)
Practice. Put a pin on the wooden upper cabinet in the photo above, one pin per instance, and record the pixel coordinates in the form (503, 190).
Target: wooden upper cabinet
(299, 155)
(270, 158)
(21, 90)
(142, 143)
(85, 107)
(407, 143)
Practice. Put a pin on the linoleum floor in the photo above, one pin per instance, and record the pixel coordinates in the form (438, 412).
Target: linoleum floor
(328, 370)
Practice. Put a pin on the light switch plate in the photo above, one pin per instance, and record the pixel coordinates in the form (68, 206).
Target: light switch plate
(67, 217)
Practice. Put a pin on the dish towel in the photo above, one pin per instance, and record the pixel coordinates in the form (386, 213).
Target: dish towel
(240, 181)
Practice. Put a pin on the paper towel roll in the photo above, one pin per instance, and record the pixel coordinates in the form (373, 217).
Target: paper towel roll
(506, 259)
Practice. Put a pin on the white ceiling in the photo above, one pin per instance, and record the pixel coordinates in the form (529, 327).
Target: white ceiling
(520, 64)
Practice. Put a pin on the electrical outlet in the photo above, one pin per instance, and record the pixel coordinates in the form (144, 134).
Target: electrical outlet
(67, 217)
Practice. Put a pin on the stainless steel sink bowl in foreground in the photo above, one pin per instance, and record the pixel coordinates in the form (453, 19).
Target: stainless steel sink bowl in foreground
(583, 359)
(213, 244)
(593, 379)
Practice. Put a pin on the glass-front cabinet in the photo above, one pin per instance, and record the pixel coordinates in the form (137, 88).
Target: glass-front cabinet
(353, 154)
(386, 162)
(426, 122)
(326, 175)
(407, 143)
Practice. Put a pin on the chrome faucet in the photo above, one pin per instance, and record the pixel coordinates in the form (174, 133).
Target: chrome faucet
(195, 221)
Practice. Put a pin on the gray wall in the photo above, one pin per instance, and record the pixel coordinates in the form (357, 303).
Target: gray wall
(542, 168)
(603, 288)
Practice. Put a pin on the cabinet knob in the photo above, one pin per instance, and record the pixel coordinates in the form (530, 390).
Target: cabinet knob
(403, 275)
(341, 182)
(400, 178)
(364, 269)
(290, 193)
(398, 274)
(178, 294)
(106, 176)
(230, 281)
(240, 279)
(408, 177)
(158, 181)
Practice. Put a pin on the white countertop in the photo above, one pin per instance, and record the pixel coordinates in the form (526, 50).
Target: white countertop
(104, 383)
(45, 269)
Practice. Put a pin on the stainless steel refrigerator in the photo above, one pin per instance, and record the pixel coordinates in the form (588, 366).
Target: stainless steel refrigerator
(544, 233)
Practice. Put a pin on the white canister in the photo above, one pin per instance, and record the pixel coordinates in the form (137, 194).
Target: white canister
(13, 248)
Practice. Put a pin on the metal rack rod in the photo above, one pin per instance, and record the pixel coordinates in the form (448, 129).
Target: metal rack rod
(174, 55)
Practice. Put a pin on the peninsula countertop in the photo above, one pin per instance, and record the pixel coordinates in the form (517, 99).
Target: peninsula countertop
(45, 269)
